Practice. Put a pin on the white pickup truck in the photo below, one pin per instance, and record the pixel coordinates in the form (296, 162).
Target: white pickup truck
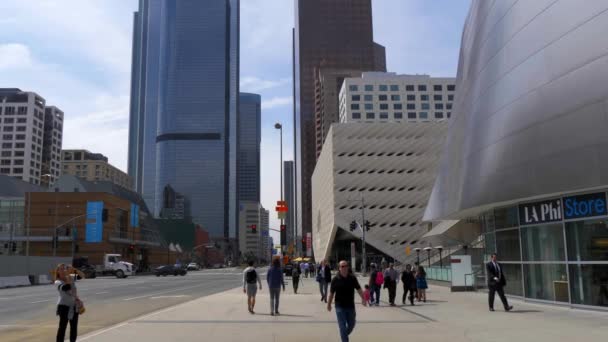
(113, 265)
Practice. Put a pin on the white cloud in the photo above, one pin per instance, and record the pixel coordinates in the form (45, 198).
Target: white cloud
(254, 84)
(276, 102)
(14, 56)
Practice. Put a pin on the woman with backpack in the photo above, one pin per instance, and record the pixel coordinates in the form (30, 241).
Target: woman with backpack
(251, 284)
(421, 284)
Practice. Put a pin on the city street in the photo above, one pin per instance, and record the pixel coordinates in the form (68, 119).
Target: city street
(28, 313)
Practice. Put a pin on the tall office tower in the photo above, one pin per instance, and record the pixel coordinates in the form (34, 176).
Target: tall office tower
(184, 110)
(289, 193)
(31, 137)
(250, 135)
(329, 34)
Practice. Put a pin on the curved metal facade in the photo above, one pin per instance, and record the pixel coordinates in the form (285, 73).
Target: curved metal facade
(531, 111)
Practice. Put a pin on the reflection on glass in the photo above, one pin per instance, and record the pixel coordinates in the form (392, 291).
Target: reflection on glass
(546, 281)
(487, 221)
(543, 243)
(587, 240)
(507, 245)
(506, 217)
(490, 243)
(513, 276)
(589, 284)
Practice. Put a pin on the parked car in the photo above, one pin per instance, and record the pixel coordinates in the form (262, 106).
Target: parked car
(193, 267)
(170, 270)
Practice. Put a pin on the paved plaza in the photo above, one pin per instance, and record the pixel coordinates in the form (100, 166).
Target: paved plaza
(447, 316)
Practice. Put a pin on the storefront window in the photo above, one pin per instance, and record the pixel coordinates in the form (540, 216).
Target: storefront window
(490, 243)
(507, 245)
(487, 221)
(546, 281)
(543, 243)
(513, 276)
(506, 218)
(587, 240)
(589, 284)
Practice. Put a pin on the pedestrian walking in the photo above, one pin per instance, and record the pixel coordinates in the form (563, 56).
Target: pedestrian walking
(313, 268)
(306, 269)
(391, 278)
(496, 283)
(69, 305)
(251, 284)
(302, 269)
(421, 284)
(366, 294)
(275, 280)
(342, 288)
(376, 279)
(408, 279)
(295, 278)
(324, 279)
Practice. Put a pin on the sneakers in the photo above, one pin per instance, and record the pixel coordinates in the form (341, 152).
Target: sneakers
(509, 308)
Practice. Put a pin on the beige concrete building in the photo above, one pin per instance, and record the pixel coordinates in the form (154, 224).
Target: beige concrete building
(93, 167)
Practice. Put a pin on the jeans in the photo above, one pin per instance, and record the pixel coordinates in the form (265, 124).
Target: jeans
(63, 312)
(374, 294)
(274, 299)
(346, 321)
(323, 288)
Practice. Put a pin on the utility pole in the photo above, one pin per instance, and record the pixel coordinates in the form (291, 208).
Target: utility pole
(363, 229)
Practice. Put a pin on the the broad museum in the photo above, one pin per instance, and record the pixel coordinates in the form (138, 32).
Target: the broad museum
(527, 148)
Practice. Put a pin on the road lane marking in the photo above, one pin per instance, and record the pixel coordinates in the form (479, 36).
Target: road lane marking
(41, 301)
(103, 292)
(163, 292)
(162, 297)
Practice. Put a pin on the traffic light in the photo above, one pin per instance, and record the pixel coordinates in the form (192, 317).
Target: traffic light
(283, 227)
(254, 228)
(367, 225)
(131, 248)
(353, 226)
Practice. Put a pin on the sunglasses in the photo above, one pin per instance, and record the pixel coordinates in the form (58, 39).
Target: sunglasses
(342, 266)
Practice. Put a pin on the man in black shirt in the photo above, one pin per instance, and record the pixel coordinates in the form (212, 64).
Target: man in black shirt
(343, 288)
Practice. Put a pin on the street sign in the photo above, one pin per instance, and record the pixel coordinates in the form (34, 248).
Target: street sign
(281, 203)
(408, 251)
(280, 209)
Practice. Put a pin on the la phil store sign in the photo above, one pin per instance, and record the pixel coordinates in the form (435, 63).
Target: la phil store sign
(566, 208)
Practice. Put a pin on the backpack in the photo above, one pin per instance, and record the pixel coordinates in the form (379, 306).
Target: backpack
(379, 278)
(251, 277)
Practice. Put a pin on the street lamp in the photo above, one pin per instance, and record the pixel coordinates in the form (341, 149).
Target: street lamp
(428, 252)
(417, 249)
(440, 248)
(280, 128)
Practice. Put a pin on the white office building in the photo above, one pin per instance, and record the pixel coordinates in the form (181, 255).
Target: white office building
(388, 97)
(391, 167)
(30, 137)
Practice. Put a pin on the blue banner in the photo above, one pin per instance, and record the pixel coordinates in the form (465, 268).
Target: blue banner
(94, 225)
(134, 215)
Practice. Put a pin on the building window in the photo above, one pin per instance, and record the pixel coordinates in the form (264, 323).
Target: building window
(384, 106)
(18, 170)
(449, 115)
(7, 137)
(437, 98)
(425, 106)
(424, 97)
(354, 106)
(21, 128)
(398, 106)
(382, 98)
(19, 153)
(394, 87)
(6, 153)
(383, 87)
(411, 115)
(353, 87)
(370, 115)
(356, 98)
(438, 105)
(423, 115)
(421, 87)
(451, 87)
(9, 110)
(5, 171)
(9, 120)
(5, 162)
(368, 97)
(383, 115)
(448, 106)
(20, 137)
(369, 87)
(20, 145)
(438, 115)
(409, 87)
(354, 116)
(411, 97)
(395, 97)
(398, 115)
(437, 87)
(369, 106)
(7, 129)
(22, 110)
(411, 106)
(7, 145)
(18, 162)
(450, 97)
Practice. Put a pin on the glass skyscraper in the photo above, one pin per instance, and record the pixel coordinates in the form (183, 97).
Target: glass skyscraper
(184, 109)
(250, 135)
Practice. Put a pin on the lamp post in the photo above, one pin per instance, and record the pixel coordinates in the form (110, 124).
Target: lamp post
(417, 249)
(428, 253)
(440, 248)
(280, 128)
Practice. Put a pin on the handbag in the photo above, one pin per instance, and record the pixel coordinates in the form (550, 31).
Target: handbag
(80, 307)
(319, 277)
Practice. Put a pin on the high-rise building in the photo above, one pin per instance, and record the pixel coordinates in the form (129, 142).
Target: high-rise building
(31, 136)
(289, 193)
(250, 227)
(384, 97)
(265, 244)
(329, 34)
(93, 167)
(250, 136)
(184, 110)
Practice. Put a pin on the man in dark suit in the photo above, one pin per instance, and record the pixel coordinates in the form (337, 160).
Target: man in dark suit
(496, 283)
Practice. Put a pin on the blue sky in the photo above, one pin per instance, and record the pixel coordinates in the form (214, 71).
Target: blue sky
(77, 55)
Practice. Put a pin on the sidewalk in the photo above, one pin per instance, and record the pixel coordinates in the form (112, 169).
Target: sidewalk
(452, 317)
